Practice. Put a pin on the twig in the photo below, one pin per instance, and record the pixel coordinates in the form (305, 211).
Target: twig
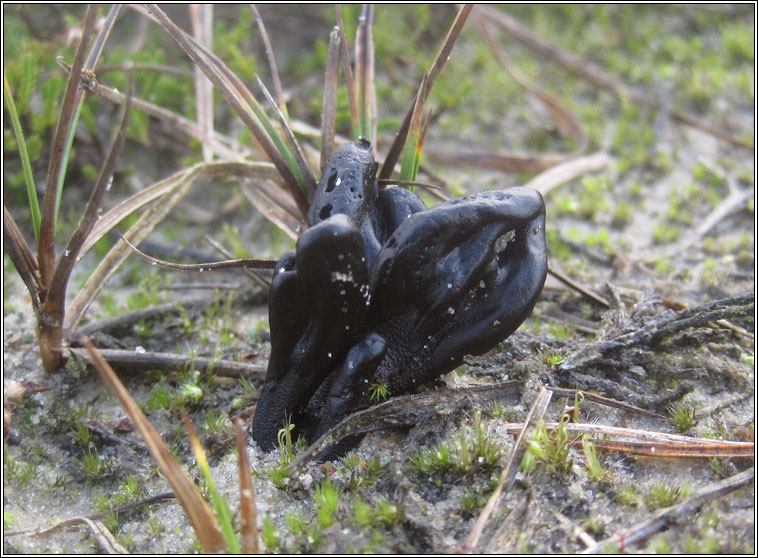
(554, 313)
(191, 286)
(252, 273)
(695, 123)
(329, 110)
(736, 200)
(509, 470)
(563, 278)
(576, 531)
(207, 266)
(402, 411)
(131, 360)
(553, 177)
(665, 516)
(104, 537)
(728, 402)
(496, 544)
(652, 444)
(564, 392)
(123, 322)
(201, 16)
(653, 334)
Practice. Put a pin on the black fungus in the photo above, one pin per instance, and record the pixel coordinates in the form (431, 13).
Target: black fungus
(382, 290)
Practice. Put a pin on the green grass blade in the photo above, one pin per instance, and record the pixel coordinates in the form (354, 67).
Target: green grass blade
(220, 506)
(24, 154)
(443, 54)
(294, 154)
(66, 158)
(412, 150)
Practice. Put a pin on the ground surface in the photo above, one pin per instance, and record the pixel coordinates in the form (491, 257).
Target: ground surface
(644, 232)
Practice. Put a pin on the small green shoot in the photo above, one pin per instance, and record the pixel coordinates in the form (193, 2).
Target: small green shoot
(379, 392)
(550, 449)
(279, 474)
(387, 513)
(129, 491)
(362, 513)
(154, 527)
(110, 520)
(595, 469)
(552, 358)
(216, 423)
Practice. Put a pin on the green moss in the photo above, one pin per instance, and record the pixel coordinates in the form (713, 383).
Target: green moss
(628, 495)
(326, 500)
(468, 450)
(664, 233)
(548, 449)
(663, 495)
(682, 416)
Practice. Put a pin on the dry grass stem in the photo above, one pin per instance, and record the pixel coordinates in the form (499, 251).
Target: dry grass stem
(653, 444)
(508, 473)
(201, 16)
(72, 253)
(248, 511)
(347, 70)
(237, 96)
(550, 179)
(208, 266)
(131, 360)
(274, 206)
(329, 106)
(200, 516)
(571, 393)
(252, 273)
(278, 91)
(566, 280)
(104, 537)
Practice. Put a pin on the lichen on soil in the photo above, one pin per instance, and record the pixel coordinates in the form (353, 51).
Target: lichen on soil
(627, 232)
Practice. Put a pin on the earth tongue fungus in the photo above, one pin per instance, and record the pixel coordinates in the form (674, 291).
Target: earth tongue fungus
(381, 290)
